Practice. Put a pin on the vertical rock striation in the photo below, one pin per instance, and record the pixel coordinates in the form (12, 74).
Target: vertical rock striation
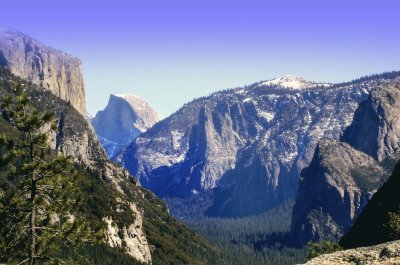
(343, 175)
(124, 118)
(49, 68)
(333, 190)
(376, 127)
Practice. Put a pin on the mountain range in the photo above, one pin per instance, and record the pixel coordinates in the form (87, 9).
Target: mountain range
(242, 150)
(328, 149)
(136, 224)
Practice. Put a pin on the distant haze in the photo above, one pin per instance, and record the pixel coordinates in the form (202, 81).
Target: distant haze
(169, 52)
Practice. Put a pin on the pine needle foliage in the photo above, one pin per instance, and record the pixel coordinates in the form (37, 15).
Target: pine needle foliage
(38, 197)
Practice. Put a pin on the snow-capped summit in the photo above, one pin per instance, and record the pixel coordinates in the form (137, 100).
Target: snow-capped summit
(125, 117)
(292, 82)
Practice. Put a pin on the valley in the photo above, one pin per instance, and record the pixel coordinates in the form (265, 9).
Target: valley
(264, 173)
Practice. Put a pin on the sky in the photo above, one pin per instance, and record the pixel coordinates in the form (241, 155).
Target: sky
(171, 51)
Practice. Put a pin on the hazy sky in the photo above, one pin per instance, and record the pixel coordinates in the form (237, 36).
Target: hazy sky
(171, 51)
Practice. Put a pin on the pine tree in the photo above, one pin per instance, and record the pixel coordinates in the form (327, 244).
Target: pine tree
(39, 195)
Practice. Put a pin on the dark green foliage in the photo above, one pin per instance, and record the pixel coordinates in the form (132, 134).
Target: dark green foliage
(324, 247)
(100, 201)
(171, 241)
(101, 254)
(376, 224)
(394, 225)
(257, 239)
(38, 200)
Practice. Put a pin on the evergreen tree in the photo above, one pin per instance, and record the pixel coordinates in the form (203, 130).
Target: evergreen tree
(394, 225)
(39, 195)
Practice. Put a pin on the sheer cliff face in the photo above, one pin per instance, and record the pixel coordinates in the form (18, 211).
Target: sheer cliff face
(377, 121)
(343, 175)
(124, 118)
(246, 146)
(54, 70)
(333, 190)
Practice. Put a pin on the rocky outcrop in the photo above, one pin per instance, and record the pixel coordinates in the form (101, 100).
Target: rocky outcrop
(384, 254)
(124, 118)
(333, 190)
(49, 68)
(75, 137)
(343, 175)
(377, 121)
(133, 240)
(245, 146)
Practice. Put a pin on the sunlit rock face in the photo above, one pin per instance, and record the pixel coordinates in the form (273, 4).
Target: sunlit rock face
(47, 67)
(124, 118)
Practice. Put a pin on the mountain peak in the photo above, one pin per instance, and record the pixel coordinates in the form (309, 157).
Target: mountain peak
(292, 82)
(126, 96)
(138, 105)
(123, 119)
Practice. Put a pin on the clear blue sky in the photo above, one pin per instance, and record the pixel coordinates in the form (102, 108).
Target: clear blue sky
(171, 51)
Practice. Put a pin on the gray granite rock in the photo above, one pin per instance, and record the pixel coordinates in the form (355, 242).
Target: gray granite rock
(53, 70)
(343, 176)
(124, 118)
(384, 254)
(245, 146)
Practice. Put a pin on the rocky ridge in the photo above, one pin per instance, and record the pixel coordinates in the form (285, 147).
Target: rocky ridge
(333, 190)
(47, 67)
(376, 127)
(343, 176)
(293, 82)
(384, 254)
(245, 146)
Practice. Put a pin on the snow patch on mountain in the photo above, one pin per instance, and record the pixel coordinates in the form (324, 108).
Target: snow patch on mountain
(176, 137)
(268, 116)
(293, 82)
(250, 145)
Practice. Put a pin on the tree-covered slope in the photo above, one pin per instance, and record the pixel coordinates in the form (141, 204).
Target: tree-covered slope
(141, 221)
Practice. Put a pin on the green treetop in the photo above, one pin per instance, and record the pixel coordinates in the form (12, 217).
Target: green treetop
(39, 196)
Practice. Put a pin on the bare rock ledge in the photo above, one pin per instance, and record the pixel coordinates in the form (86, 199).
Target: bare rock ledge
(384, 254)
